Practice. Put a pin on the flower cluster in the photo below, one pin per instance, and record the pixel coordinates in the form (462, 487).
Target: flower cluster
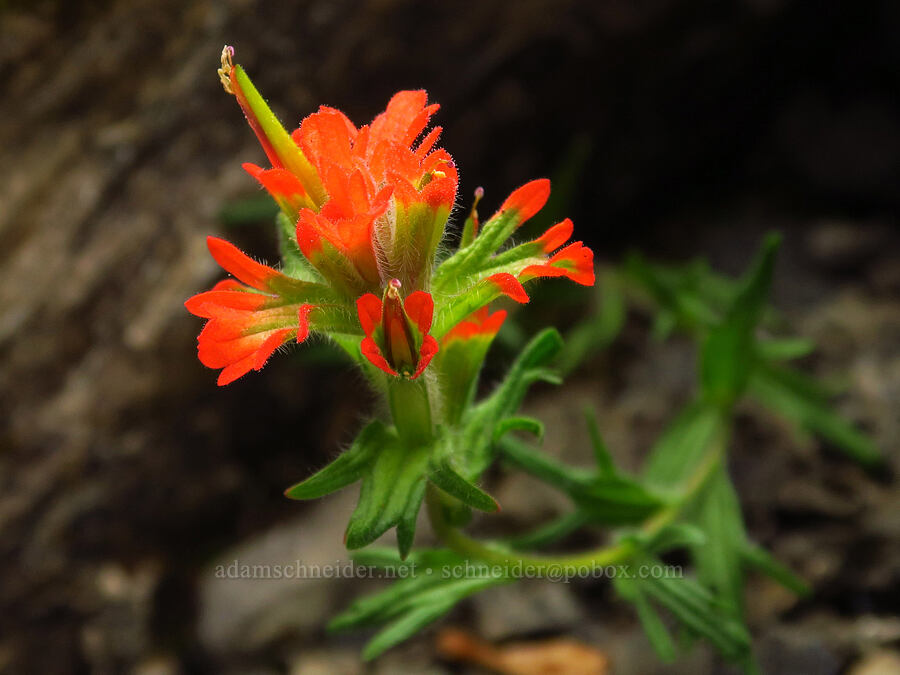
(367, 209)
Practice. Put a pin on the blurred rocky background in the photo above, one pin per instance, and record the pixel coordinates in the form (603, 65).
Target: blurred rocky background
(678, 127)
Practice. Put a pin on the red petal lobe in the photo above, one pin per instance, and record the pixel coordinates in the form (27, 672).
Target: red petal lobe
(528, 199)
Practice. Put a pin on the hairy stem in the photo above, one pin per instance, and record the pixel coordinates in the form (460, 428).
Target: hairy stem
(411, 410)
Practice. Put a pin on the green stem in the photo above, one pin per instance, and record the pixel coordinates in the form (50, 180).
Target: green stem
(411, 410)
(554, 565)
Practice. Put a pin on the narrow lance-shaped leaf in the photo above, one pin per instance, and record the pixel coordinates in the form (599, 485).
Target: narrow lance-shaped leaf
(375, 609)
(382, 606)
(784, 349)
(760, 559)
(470, 227)
(527, 424)
(682, 446)
(443, 475)
(718, 559)
(424, 609)
(653, 625)
(348, 468)
(409, 604)
(605, 465)
(539, 464)
(694, 606)
(475, 444)
(407, 625)
(617, 500)
(608, 499)
(727, 357)
(406, 522)
(787, 396)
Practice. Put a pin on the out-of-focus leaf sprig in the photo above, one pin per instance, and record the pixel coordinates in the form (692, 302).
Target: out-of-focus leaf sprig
(693, 299)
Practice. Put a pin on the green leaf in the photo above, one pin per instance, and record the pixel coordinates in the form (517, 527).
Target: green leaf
(758, 558)
(789, 395)
(682, 446)
(380, 607)
(784, 349)
(605, 465)
(688, 295)
(526, 424)
(424, 609)
(468, 232)
(664, 323)
(727, 355)
(718, 513)
(441, 473)
(391, 494)
(655, 629)
(699, 611)
(475, 442)
(539, 464)
(726, 363)
(655, 280)
(408, 605)
(406, 522)
(377, 608)
(405, 627)
(608, 499)
(653, 625)
(616, 500)
(348, 468)
(799, 382)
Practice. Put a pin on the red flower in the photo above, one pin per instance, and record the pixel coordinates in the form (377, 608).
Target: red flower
(527, 200)
(247, 323)
(388, 201)
(575, 261)
(369, 206)
(397, 339)
(370, 203)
